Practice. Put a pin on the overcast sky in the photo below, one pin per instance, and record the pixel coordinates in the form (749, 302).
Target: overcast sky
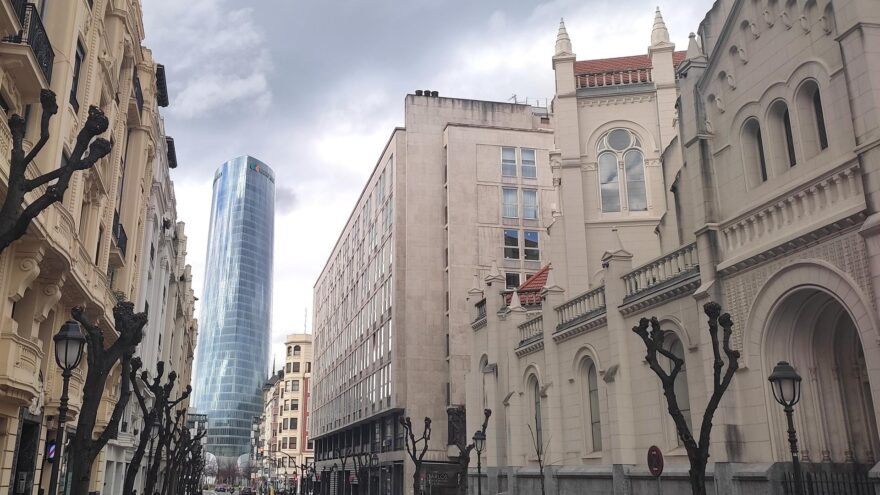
(314, 89)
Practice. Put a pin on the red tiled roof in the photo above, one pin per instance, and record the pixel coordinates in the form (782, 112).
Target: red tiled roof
(633, 62)
(530, 290)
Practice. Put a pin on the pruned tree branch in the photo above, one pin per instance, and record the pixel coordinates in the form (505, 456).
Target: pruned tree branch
(15, 217)
(698, 451)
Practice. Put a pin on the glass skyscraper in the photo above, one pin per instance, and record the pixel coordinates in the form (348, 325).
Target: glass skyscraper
(233, 351)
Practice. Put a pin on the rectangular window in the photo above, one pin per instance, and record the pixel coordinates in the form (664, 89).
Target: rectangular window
(294, 367)
(294, 386)
(293, 442)
(77, 66)
(294, 423)
(508, 162)
(530, 204)
(511, 204)
(511, 244)
(294, 404)
(530, 245)
(529, 167)
(512, 280)
(285, 423)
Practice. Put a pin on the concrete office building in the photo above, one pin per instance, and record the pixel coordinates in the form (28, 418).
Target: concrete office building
(465, 186)
(232, 359)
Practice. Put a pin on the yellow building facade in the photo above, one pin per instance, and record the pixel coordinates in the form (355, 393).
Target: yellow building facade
(85, 250)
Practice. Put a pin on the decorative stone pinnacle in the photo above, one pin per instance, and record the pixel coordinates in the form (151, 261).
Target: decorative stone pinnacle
(563, 42)
(659, 34)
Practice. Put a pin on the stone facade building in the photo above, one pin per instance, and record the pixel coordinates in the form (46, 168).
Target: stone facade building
(465, 183)
(295, 447)
(742, 171)
(86, 250)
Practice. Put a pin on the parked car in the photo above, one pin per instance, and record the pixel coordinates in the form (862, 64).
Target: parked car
(220, 489)
(247, 491)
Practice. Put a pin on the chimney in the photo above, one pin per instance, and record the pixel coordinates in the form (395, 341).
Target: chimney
(435, 94)
(418, 92)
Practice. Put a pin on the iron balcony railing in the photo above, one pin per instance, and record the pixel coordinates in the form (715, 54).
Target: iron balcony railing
(119, 235)
(19, 6)
(138, 92)
(34, 35)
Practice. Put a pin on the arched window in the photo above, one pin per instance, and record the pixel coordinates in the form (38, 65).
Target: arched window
(682, 393)
(296, 351)
(592, 423)
(811, 118)
(753, 152)
(288, 350)
(620, 150)
(536, 423)
(782, 137)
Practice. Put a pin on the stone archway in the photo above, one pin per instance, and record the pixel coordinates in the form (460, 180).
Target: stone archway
(811, 327)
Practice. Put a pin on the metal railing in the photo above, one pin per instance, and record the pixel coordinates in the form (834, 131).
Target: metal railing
(855, 482)
(582, 305)
(667, 267)
(614, 78)
(34, 35)
(481, 310)
(119, 235)
(18, 6)
(531, 330)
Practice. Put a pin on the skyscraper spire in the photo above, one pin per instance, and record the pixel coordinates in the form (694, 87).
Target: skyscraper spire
(659, 34)
(563, 43)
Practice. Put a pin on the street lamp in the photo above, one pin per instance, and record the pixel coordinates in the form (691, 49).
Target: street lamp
(786, 385)
(479, 445)
(69, 343)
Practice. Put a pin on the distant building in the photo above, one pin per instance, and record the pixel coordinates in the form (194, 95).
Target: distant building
(295, 446)
(464, 187)
(232, 357)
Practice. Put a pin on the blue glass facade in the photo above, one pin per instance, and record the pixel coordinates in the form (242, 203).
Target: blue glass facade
(234, 331)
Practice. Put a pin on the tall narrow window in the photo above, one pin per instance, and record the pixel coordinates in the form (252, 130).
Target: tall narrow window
(77, 66)
(539, 434)
(759, 141)
(789, 138)
(753, 152)
(508, 162)
(635, 180)
(529, 166)
(608, 182)
(820, 120)
(296, 350)
(510, 206)
(530, 245)
(682, 394)
(511, 244)
(591, 411)
(530, 204)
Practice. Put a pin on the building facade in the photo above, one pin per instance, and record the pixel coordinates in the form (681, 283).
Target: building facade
(232, 360)
(295, 447)
(87, 249)
(464, 184)
(755, 187)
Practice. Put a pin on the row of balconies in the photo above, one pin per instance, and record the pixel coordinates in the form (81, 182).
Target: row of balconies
(25, 44)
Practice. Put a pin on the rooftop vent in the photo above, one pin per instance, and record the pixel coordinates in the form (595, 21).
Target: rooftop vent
(435, 94)
(419, 92)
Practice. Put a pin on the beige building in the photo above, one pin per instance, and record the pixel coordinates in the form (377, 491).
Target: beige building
(466, 183)
(86, 250)
(294, 447)
(743, 171)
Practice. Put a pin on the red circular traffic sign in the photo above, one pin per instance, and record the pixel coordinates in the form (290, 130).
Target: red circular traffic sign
(655, 460)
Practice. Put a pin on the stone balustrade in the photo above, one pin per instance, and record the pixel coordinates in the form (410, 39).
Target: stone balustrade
(531, 330)
(822, 201)
(613, 78)
(20, 359)
(667, 267)
(575, 309)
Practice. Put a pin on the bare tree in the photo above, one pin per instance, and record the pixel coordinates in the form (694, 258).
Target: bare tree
(698, 452)
(14, 216)
(464, 451)
(540, 447)
(413, 450)
(84, 448)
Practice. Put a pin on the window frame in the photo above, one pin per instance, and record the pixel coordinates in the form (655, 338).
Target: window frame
(533, 208)
(505, 167)
(507, 208)
(534, 163)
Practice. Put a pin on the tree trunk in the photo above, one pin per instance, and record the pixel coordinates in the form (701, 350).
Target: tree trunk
(416, 480)
(80, 464)
(697, 475)
(136, 458)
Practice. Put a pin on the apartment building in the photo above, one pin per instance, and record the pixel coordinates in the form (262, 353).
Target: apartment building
(742, 171)
(464, 187)
(88, 249)
(295, 447)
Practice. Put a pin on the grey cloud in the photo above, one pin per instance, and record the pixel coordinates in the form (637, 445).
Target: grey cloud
(285, 199)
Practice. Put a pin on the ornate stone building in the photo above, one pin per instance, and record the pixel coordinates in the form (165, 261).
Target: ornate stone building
(744, 171)
(88, 249)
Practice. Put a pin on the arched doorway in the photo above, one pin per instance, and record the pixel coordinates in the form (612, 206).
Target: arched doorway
(836, 419)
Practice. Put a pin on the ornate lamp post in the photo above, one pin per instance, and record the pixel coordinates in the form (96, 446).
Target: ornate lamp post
(69, 344)
(479, 445)
(786, 385)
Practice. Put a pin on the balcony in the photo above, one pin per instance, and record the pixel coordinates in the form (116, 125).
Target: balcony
(11, 14)
(28, 54)
(480, 320)
(21, 363)
(120, 242)
(614, 78)
(138, 92)
(658, 280)
(531, 334)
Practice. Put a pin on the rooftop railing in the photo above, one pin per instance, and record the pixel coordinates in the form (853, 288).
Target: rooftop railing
(614, 78)
(667, 267)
